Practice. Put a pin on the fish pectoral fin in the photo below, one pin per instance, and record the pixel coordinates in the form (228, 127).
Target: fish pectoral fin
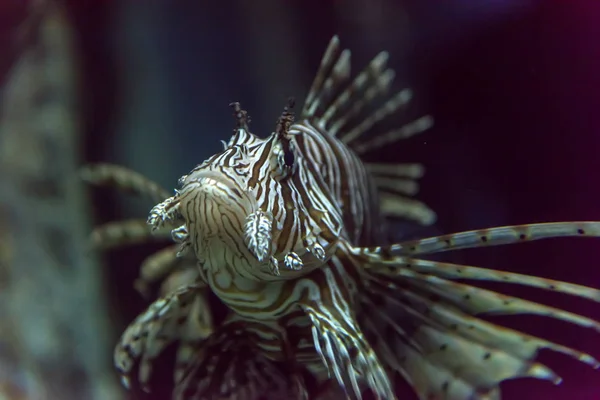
(397, 263)
(124, 233)
(173, 318)
(124, 179)
(231, 364)
(488, 237)
(345, 351)
(444, 351)
(427, 327)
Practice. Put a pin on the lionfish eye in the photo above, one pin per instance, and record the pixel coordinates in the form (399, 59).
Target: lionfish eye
(288, 158)
(284, 159)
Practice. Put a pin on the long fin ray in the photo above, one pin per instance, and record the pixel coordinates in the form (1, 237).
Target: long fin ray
(491, 237)
(444, 350)
(338, 107)
(482, 301)
(166, 266)
(124, 233)
(401, 170)
(398, 206)
(457, 271)
(409, 130)
(399, 100)
(335, 339)
(122, 178)
(408, 187)
(465, 323)
(230, 365)
(329, 58)
(350, 109)
(372, 72)
(161, 324)
(339, 73)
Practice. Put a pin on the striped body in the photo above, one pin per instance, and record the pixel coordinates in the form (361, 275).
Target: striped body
(329, 183)
(330, 180)
(288, 232)
(348, 181)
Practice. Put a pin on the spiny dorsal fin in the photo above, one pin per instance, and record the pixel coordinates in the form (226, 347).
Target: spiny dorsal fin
(349, 108)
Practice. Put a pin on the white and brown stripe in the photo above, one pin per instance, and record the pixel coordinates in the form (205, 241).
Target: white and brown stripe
(287, 233)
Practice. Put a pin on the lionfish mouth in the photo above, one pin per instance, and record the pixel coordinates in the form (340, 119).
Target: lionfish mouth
(214, 208)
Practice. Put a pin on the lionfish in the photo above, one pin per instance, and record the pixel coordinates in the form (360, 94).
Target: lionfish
(289, 233)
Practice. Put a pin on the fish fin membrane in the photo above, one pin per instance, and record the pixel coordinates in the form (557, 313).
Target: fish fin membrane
(182, 318)
(351, 109)
(427, 326)
(229, 364)
(346, 353)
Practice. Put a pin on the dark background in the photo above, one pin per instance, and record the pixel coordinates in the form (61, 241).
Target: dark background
(513, 87)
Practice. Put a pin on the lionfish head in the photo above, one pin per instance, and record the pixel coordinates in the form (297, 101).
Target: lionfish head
(252, 206)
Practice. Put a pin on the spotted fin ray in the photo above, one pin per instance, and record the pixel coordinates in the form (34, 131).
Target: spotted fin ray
(427, 323)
